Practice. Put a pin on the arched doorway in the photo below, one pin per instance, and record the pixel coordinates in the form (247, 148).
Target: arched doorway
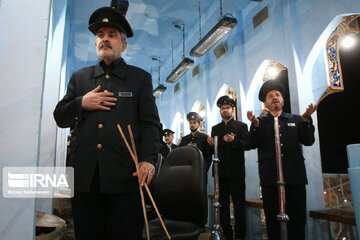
(267, 70)
(202, 112)
(338, 105)
(178, 127)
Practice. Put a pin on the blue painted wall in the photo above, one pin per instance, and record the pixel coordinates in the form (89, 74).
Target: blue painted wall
(294, 35)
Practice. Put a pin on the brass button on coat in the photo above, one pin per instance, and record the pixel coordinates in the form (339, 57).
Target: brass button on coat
(107, 76)
(100, 126)
(99, 146)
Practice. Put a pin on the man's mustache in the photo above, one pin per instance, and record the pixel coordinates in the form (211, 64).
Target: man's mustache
(105, 44)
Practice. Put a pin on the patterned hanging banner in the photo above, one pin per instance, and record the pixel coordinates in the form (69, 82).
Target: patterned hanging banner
(349, 24)
(272, 71)
(202, 113)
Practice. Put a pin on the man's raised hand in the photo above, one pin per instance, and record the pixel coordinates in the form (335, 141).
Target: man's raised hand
(255, 121)
(310, 110)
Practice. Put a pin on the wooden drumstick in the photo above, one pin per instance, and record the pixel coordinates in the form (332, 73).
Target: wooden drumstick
(137, 171)
(146, 186)
(133, 154)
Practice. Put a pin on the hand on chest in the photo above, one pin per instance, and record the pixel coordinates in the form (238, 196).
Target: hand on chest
(125, 92)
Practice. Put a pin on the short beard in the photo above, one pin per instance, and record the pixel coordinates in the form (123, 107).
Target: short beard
(107, 56)
(278, 107)
(226, 117)
(271, 108)
(193, 130)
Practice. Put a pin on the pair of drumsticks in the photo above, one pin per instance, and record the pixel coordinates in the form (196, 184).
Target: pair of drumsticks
(133, 154)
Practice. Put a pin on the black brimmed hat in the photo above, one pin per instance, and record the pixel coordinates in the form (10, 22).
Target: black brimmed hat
(194, 116)
(109, 17)
(225, 100)
(268, 86)
(167, 132)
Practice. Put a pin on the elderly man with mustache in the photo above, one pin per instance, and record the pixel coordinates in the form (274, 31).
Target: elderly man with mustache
(107, 204)
(295, 130)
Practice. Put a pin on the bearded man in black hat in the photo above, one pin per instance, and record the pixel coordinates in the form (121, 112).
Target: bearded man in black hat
(196, 138)
(232, 135)
(107, 204)
(169, 146)
(294, 131)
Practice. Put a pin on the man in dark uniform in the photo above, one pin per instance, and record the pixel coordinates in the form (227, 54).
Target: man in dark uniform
(196, 138)
(231, 139)
(294, 131)
(107, 203)
(169, 146)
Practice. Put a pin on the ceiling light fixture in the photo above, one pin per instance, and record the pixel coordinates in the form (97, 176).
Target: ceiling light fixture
(348, 41)
(220, 30)
(273, 72)
(161, 87)
(185, 64)
(159, 90)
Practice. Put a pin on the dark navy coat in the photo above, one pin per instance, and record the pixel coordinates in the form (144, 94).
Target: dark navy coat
(96, 141)
(293, 132)
(231, 154)
(200, 139)
(164, 150)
